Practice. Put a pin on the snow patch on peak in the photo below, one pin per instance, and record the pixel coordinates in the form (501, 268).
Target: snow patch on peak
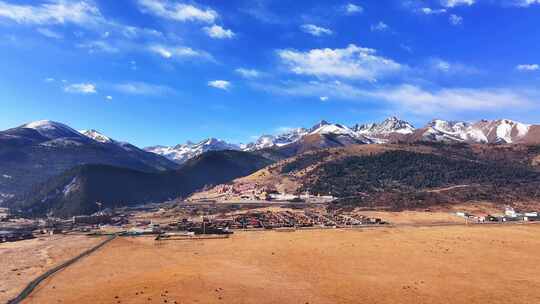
(52, 129)
(96, 135)
(388, 126)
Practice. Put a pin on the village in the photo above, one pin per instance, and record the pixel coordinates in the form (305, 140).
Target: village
(210, 218)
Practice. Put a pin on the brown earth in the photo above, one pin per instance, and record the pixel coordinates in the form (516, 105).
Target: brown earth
(21, 262)
(453, 264)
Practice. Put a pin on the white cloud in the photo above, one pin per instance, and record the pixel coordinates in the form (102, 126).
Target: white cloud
(454, 3)
(353, 9)
(98, 46)
(81, 88)
(177, 11)
(143, 88)
(108, 97)
(441, 65)
(430, 11)
(528, 67)
(218, 32)
(315, 30)
(454, 68)
(248, 73)
(49, 33)
(52, 12)
(455, 20)
(219, 84)
(415, 99)
(323, 98)
(351, 62)
(525, 3)
(49, 79)
(380, 27)
(178, 52)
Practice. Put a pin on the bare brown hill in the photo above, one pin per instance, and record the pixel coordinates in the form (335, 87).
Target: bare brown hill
(400, 175)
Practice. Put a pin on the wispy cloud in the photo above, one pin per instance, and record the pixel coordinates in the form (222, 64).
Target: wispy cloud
(413, 98)
(52, 12)
(431, 11)
(143, 88)
(218, 32)
(454, 3)
(49, 33)
(248, 73)
(455, 19)
(220, 84)
(81, 88)
(524, 3)
(353, 9)
(98, 46)
(380, 27)
(315, 30)
(178, 52)
(528, 67)
(351, 62)
(455, 68)
(177, 11)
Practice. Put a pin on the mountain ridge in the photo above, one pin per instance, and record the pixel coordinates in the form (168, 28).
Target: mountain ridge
(390, 130)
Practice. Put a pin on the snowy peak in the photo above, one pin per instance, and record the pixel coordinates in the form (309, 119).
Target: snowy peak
(503, 130)
(386, 127)
(335, 129)
(484, 131)
(97, 136)
(319, 125)
(279, 140)
(52, 130)
(183, 152)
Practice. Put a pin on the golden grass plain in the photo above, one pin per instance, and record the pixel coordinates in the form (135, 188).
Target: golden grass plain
(452, 264)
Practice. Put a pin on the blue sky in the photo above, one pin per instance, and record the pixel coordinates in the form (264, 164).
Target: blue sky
(166, 71)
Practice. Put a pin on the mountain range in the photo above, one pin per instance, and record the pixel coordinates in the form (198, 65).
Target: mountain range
(391, 130)
(39, 160)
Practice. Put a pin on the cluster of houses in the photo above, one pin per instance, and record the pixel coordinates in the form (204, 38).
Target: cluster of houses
(510, 215)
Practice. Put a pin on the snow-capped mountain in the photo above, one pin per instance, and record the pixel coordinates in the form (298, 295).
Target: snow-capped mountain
(53, 130)
(503, 130)
(184, 152)
(388, 126)
(39, 150)
(484, 131)
(391, 129)
(279, 140)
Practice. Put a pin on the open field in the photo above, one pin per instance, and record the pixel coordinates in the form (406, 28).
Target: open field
(24, 260)
(453, 264)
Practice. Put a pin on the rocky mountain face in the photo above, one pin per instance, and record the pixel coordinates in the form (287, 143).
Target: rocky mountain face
(36, 151)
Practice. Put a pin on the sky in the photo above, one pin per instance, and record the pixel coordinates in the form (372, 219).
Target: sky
(161, 72)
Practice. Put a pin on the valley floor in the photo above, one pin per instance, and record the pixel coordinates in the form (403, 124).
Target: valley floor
(450, 264)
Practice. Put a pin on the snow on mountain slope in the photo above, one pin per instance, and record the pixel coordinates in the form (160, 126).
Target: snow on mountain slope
(484, 131)
(97, 136)
(280, 140)
(503, 130)
(184, 152)
(53, 130)
(388, 126)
